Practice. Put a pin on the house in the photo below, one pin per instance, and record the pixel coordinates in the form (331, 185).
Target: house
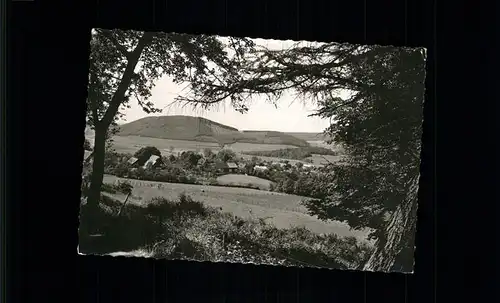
(132, 161)
(241, 165)
(226, 167)
(260, 167)
(221, 166)
(232, 167)
(153, 162)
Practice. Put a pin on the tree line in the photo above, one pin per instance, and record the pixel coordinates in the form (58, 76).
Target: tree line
(299, 153)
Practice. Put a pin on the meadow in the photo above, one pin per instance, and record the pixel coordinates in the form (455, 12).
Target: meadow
(244, 181)
(230, 217)
(131, 144)
(184, 228)
(281, 210)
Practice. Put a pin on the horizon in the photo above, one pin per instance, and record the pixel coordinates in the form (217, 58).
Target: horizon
(290, 114)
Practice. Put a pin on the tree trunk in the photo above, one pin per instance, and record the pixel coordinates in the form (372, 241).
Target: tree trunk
(398, 245)
(96, 179)
(124, 203)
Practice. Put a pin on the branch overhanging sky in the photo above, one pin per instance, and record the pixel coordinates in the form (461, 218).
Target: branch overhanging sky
(290, 115)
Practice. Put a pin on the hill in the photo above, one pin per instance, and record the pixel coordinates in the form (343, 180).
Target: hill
(309, 136)
(200, 129)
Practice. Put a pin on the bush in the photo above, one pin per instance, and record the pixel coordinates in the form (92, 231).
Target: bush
(190, 158)
(108, 188)
(226, 155)
(189, 229)
(121, 170)
(123, 187)
(169, 174)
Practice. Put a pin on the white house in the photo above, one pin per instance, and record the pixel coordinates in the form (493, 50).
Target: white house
(152, 161)
(132, 161)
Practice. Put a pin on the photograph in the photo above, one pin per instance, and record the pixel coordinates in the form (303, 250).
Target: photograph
(247, 150)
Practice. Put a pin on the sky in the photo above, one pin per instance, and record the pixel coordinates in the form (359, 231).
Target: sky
(291, 114)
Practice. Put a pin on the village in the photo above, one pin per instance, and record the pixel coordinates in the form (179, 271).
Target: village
(206, 160)
(202, 167)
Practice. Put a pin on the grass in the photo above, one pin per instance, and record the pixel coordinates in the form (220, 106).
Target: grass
(187, 229)
(284, 209)
(244, 181)
(131, 144)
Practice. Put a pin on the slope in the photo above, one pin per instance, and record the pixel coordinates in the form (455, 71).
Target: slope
(201, 129)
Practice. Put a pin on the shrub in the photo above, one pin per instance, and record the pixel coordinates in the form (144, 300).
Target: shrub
(124, 187)
(190, 158)
(208, 153)
(108, 188)
(121, 170)
(189, 229)
(226, 155)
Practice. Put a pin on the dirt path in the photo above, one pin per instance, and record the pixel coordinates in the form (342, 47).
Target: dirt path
(280, 209)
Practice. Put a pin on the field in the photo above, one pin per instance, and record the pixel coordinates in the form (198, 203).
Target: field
(242, 180)
(200, 129)
(279, 209)
(307, 136)
(131, 144)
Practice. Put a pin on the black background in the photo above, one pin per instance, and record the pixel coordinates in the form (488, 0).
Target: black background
(47, 77)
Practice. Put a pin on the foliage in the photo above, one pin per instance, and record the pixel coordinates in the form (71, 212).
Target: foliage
(123, 187)
(378, 123)
(125, 65)
(299, 153)
(208, 153)
(190, 158)
(170, 174)
(189, 229)
(226, 155)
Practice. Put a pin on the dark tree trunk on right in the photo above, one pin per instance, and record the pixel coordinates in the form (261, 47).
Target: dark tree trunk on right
(395, 251)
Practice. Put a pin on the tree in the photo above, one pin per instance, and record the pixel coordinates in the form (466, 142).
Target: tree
(190, 158)
(207, 153)
(378, 123)
(172, 158)
(125, 65)
(145, 153)
(226, 155)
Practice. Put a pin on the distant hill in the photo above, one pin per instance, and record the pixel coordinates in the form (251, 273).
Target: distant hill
(204, 130)
(309, 136)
